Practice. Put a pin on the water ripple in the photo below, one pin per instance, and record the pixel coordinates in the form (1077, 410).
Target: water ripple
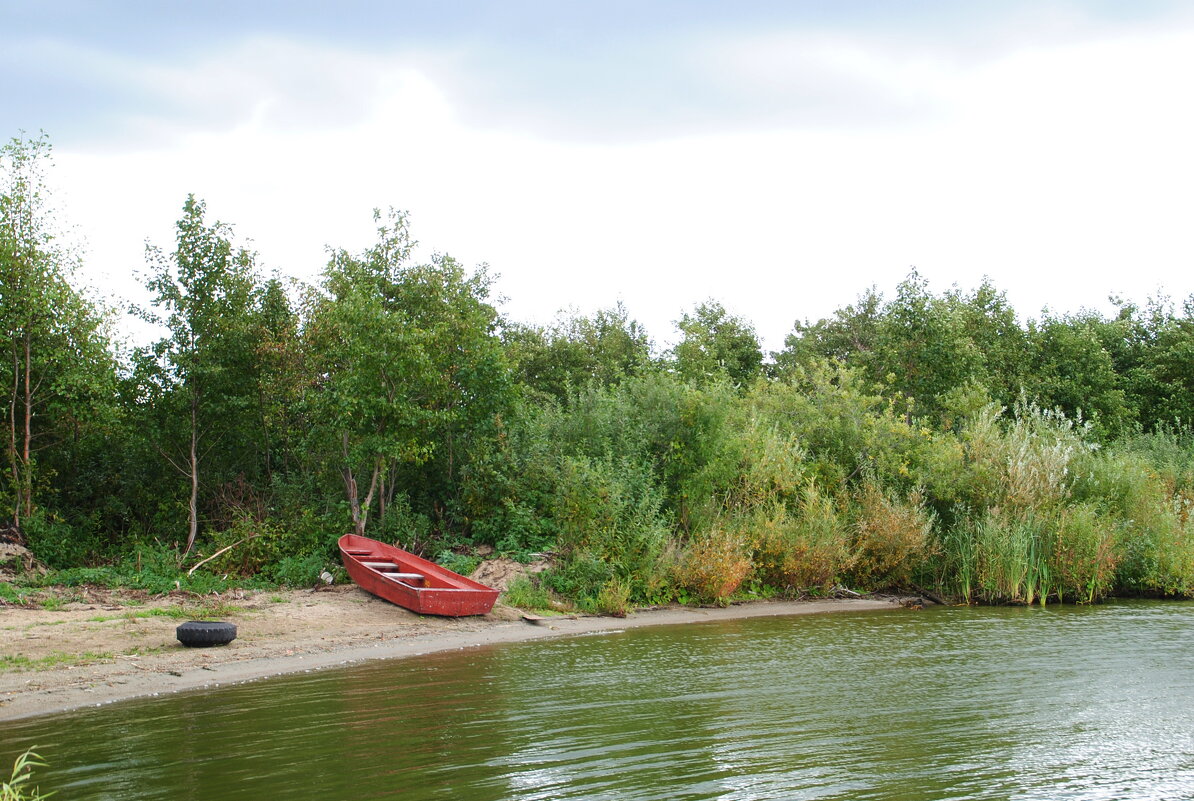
(1069, 702)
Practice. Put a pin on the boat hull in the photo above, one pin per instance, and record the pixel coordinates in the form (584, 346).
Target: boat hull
(412, 582)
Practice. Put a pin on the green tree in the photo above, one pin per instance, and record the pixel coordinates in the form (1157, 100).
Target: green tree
(1153, 352)
(197, 379)
(919, 347)
(280, 376)
(1072, 371)
(407, 363)
(717, 344)
(850, 336)
(605, 348)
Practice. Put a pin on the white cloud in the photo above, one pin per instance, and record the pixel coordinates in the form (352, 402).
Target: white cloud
(1061, 171)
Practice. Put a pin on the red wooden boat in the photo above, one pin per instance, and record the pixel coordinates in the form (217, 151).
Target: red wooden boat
(407, 580)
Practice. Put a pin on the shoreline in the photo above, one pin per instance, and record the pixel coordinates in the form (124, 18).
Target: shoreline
(177, 669)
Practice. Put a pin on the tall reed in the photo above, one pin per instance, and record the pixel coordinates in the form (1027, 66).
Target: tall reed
(17, 787)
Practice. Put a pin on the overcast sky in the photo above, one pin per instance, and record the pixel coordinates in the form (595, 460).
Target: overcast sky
(780, 157)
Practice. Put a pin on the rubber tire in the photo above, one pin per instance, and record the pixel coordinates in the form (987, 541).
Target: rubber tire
(205, 633)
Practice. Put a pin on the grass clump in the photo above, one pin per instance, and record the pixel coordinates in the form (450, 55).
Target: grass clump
(525, 593)
(19, 664)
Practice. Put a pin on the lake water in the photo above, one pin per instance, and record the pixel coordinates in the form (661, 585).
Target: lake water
(1067, 702)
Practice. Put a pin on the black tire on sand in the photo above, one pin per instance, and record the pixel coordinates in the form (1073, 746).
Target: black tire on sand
(205, 633)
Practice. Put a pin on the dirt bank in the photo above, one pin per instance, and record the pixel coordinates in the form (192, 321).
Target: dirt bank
(104, 647)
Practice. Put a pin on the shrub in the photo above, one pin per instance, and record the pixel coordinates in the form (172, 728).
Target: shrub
(713, 566)
(1157, 546)
(803, 550)
(891, 538)
(609, 511)
(298, 571)
(54, 542)
(1024, 465)
(613, 598)
(461, 563)
(580, 577)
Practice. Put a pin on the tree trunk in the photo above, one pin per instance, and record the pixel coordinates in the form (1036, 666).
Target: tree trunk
(381, 500)
(27, 482)
(350, 487)
(193, 527)
(12, 442)
(359, 508)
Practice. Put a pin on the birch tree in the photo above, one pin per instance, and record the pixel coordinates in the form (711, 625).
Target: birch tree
(204, 296)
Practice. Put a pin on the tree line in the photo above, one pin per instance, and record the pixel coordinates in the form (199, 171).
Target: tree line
(929, 439)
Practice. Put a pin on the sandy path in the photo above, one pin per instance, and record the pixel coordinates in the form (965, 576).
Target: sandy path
(44, 665)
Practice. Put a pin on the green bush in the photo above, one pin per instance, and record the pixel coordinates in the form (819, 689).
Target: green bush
(580, 577)
(714, 565)
(610, 512)
(54, 542)
(298, 571)
(892, 538)
(1082, 565)
(461, 563)
(801, 549)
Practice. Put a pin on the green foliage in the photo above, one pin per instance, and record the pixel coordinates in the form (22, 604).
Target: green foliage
(1082, 565)
(613, 598)
(57, 373)
(1071, 370)
(298, 571)
(603, 349)
(153, 568)
(800, 547)
(54, 542)
(919, 347)
(202, 376)
(609, 511)
(892, 538)
(11, 593)
(461, 563)
(717, 345)
(525, 593)
(922, 438)
(410, 371)
(580, 577)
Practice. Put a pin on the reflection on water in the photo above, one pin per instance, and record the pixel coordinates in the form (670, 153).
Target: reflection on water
(1089, 703)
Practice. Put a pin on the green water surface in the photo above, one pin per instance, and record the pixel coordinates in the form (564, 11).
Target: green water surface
(1067, 702)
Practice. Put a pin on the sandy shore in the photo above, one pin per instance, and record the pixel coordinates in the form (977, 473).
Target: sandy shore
(103, 648)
